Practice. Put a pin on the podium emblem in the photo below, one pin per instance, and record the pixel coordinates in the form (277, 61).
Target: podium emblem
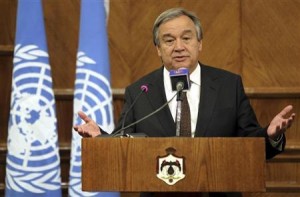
(170, 168)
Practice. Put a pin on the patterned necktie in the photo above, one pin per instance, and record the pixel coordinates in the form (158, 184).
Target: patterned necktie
(185, 122)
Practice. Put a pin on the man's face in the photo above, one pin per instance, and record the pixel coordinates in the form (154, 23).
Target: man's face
(179, 46)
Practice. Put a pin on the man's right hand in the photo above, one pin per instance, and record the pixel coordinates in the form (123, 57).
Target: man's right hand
(89, 128)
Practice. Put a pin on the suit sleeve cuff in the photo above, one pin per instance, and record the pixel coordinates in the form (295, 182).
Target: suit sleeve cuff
(277, 143)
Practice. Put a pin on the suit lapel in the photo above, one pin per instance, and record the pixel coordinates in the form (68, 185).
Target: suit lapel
(209, 87)
(157, 98)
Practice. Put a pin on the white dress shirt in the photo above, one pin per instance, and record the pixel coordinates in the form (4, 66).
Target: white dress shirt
(193, 95)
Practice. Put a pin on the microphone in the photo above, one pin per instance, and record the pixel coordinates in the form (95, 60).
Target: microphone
(180, 79)
(144, 88)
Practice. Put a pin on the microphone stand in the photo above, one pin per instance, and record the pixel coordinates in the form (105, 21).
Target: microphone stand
(178, 112)
(144, 88)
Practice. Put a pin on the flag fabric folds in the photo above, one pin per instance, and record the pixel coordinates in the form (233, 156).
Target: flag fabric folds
(32, 163)
(92, 85)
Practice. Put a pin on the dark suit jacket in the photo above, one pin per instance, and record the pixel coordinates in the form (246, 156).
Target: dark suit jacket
(224, 109)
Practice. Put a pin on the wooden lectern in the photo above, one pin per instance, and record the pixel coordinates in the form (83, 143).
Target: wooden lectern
(207, 164)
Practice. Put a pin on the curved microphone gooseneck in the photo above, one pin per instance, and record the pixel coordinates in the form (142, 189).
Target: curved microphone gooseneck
(145, 117)
(121, 132)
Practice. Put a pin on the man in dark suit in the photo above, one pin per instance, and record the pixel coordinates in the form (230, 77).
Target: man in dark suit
(219, 106)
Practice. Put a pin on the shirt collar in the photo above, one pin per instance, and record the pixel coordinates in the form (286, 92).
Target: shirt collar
(195, 76)
(167, 81)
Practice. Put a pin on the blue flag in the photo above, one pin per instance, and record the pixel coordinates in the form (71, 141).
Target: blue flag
(32, 163)
(92, 86)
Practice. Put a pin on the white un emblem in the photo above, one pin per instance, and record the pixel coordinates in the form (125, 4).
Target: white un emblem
(33, 159)
(92, 93)
(93, 97)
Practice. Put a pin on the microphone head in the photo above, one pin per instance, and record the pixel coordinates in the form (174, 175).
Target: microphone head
(180, 75)
(144, 88)
(179, 86)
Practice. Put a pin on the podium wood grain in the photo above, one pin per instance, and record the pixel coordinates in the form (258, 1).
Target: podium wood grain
(211, 164)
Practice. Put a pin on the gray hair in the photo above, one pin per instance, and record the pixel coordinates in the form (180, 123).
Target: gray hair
(174, 13)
